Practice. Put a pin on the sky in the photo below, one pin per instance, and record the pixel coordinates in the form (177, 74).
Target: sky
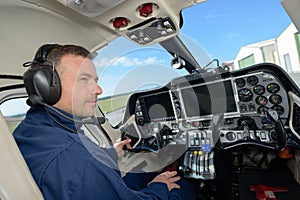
(222, 27)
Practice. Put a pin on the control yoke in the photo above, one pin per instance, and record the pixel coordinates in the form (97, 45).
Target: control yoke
(280, 131)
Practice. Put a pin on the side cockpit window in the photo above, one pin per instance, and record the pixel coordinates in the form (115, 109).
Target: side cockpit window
(14, 111)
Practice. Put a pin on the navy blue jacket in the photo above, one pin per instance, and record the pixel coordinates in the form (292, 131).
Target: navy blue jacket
(68, 165)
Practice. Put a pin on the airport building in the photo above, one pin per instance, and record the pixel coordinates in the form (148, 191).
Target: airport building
(283, 51)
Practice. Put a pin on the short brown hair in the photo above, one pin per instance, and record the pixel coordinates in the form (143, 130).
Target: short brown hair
(58, 52)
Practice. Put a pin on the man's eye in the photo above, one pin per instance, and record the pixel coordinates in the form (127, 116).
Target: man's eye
(84, 80)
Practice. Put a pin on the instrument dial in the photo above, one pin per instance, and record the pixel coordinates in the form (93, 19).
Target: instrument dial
(275, 99)
(262, 110)
(279, 109)
(231, 136)
(252, 80)
(245, 94)
(240, 82)
(259, 89)
(273, 88)
(261, 100)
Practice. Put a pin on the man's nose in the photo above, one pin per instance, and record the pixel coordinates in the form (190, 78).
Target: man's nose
(98, 90)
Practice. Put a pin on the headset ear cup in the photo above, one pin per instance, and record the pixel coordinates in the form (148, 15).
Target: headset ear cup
(47, 85)
(43, 82)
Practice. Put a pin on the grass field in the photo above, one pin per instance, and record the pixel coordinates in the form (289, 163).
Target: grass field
(107, 105)
(110, 104)
(13, 125)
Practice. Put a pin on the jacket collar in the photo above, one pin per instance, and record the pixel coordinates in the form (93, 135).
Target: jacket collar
(61, 117)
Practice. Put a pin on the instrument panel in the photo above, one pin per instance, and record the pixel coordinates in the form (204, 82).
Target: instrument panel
(245, 107)
(252, 94)
(259, 92)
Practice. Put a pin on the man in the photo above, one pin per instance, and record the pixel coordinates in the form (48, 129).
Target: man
(65, 163)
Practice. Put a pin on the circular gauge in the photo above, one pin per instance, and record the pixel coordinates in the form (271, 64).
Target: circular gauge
(273, 88)
(230, 136)
(252, 80)
(240, 82)
(279, 109)
(261, 100)
(262, 110)
(275, 99)
(259, 89)
(245, 94)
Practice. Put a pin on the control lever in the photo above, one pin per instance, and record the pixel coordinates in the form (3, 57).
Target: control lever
(245, 125)
(280, 131)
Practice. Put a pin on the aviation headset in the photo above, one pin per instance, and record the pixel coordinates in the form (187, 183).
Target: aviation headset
(41, 80)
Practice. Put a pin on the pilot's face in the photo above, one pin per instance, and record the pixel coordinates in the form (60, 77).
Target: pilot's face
(79, 86)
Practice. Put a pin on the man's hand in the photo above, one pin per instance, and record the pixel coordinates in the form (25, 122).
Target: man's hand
(168, 178)
(119, 146)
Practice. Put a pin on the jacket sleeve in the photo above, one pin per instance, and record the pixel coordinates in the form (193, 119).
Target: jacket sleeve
(100, 180)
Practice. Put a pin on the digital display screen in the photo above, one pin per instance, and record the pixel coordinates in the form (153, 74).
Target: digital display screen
(212, 98)
(157, 107)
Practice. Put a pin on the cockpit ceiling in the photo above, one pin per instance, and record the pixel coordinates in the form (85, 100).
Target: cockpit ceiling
(26, 24)
(91, 8)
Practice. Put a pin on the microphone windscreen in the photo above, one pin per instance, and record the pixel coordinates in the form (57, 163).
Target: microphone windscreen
(101, 120)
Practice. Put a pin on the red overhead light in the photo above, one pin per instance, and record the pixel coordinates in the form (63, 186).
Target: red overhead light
(146, 9)
(120, 22)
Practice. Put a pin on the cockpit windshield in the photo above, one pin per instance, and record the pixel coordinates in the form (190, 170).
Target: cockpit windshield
(124, 68)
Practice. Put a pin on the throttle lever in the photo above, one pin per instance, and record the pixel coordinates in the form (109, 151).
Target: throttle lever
(280, 131)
